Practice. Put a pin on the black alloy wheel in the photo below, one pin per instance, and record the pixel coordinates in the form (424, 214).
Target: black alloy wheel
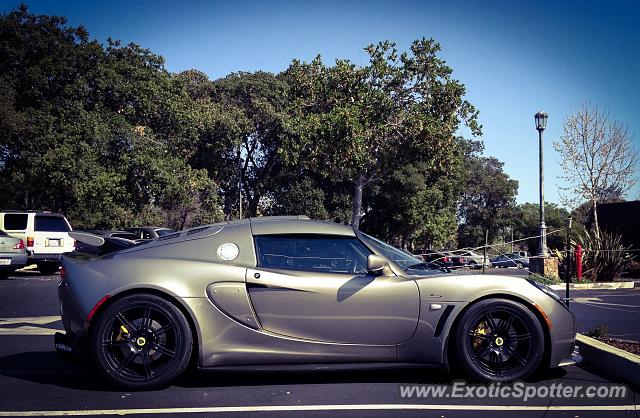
(142, 342)
(499, 340)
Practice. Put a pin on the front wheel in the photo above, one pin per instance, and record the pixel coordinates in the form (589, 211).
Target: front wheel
(142, 342)
(499, 340)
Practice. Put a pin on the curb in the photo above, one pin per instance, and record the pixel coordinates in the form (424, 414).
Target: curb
(603, 285)
(610, 360)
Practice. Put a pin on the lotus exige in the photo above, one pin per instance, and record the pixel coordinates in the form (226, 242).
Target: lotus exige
(283, 291)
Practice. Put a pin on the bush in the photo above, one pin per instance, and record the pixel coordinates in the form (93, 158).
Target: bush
(599, 332)
(632, 269)
(604, 256)
(548, 280)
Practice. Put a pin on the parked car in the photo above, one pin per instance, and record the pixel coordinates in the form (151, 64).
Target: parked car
(283, 291)
(474, 260)
(150, 232)
(45, 234)
(115, 234)
(457, 260)
(510, 260)
(12, 254)
(437, 257)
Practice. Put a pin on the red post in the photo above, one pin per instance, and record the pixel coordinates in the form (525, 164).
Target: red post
(579, 261)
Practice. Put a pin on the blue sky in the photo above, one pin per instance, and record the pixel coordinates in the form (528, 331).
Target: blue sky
(514, 57)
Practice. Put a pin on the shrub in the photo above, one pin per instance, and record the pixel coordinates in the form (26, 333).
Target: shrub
(604, 256)
(599, 332)
(548, 280)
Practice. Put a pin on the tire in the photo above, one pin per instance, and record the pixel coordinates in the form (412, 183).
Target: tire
(519, 265)
(48, 268)
(511, 349)
(141, 342)
(473, 265)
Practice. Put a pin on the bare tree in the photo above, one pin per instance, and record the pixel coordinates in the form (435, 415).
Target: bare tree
(597, 158)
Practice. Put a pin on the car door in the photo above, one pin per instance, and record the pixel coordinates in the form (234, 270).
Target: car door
(316, 287)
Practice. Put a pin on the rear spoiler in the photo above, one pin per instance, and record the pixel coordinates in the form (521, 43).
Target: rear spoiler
(96, 244)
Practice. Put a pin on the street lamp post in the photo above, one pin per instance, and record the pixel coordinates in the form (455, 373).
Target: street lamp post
(541, 124)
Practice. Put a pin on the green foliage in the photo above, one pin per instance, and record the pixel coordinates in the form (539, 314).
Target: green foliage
(99, 133)
(487, 202)
(412, 210)
(599, 332)
(527, 222)
(359, 124)
(548, 280)
(604, 255)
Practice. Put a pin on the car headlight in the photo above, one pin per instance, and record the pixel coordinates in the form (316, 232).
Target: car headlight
(546, 289)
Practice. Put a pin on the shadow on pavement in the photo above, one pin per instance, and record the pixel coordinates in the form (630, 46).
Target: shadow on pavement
(212, 378)
(50, 368)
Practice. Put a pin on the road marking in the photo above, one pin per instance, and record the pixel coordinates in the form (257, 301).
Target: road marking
(38, 320)
(298, 408)
(30, 325)
(598, 301)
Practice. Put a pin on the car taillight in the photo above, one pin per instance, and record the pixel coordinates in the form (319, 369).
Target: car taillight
(75, 244)
(30, 241)
(19, 246)
(445, 259)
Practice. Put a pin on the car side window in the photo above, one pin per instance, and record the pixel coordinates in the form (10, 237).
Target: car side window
(15, 221)
(320, 253)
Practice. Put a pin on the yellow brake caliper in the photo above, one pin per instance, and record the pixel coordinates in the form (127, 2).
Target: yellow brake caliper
(124, 332)
(481, 330)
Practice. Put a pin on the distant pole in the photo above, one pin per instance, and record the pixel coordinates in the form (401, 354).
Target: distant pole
(511, 240)
(567, 263)
(486, 244)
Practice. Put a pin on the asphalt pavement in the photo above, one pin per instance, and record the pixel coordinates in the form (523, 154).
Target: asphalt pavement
(36, 381)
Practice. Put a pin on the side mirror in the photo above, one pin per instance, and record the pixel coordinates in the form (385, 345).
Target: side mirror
(378, 264)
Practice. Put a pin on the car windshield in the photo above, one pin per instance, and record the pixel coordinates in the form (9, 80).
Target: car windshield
(402, 258)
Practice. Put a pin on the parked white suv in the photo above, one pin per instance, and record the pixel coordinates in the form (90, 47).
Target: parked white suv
(45, 234)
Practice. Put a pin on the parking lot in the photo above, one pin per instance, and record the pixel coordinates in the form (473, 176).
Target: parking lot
(35, 381)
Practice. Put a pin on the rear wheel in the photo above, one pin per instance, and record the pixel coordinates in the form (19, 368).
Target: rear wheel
(519, 265)
(142, 342)
(499, 340)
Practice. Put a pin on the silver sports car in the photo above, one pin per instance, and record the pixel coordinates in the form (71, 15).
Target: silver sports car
(280, 291)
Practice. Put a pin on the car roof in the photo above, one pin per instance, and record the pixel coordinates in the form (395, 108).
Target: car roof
(273, 225)
(37, 212)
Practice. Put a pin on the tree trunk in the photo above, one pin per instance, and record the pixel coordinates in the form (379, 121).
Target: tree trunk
(357, 202)
(596, 226)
